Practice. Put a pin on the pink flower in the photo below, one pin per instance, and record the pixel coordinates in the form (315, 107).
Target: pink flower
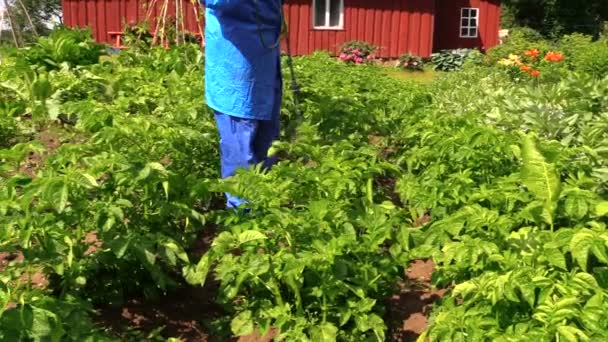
(415, 63)
(406, 64)
(372, 56)
(358, 60)
(342, 56)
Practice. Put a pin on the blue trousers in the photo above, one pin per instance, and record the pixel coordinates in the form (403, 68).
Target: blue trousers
(245, 142)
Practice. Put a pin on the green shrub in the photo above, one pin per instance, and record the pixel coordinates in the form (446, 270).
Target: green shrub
(474, 58)
(64, 45)
(573, 43)
(592, 59)
(519, 40)
(410, 62)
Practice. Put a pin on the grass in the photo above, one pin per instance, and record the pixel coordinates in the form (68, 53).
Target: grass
(426, 76)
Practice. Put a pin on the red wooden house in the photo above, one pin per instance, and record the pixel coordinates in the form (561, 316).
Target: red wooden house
(396, 26)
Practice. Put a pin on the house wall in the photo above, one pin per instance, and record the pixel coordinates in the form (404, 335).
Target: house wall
(396, 26)
(104, 16)
(447, 24)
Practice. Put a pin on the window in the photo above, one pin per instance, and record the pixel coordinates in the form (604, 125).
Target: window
(469, 21)
(328, 14)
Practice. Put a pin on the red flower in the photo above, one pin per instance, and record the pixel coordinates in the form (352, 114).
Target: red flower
(535, 73)
(554, 57)
(532, 53)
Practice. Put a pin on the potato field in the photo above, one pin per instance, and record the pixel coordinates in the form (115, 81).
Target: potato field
(494, 178)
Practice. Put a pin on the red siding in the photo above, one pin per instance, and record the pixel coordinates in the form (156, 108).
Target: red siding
(395, 26)
(104, 16)
(448, 24)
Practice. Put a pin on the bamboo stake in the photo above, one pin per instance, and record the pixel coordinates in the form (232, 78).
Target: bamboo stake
(195, 5)
(1, 21)
(163, 34)
(149, 11)
(164, 37)
(160, 23)
(10, 19)
(29, 19)
(176, 22)
(183, 20)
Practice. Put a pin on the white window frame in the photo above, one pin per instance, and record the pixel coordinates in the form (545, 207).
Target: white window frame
(326, 25)
(469, 27)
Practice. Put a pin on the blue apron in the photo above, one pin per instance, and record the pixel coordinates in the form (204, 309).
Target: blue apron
(242, 73)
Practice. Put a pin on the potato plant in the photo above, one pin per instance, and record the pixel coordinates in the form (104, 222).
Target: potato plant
(109, 174)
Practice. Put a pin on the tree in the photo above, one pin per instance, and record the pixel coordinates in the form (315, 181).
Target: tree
(44, 14)
(554, 18)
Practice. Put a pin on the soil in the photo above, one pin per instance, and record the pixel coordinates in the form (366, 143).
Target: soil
(37, 278)
(184, 314)
(408, 310)
(34, 161)
(181, 313)
(388, 186)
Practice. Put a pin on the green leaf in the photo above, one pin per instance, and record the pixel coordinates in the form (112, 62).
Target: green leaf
(158, 167)
(540, 177)
(242, 324)
(166, 188)
(325, 332)
(579, 247)
(403, 237)
(89, 181)
(345, 315)
(118, 246)
(576, 207)
(144, 173)
(179, 251)
(464, 289)
(43, 322)
(570, 333)
(556, 258)
(599, 250)
(62, 199)
(250, 235)
(587, 280)
(150, 256)
(566, 302)
(601, 209)
(528, 292)
(198, 275)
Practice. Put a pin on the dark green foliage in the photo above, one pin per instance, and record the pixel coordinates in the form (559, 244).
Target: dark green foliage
(554, 18)
(450, 60)
(586, 56)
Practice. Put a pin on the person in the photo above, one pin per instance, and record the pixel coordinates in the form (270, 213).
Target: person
(243, 83)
